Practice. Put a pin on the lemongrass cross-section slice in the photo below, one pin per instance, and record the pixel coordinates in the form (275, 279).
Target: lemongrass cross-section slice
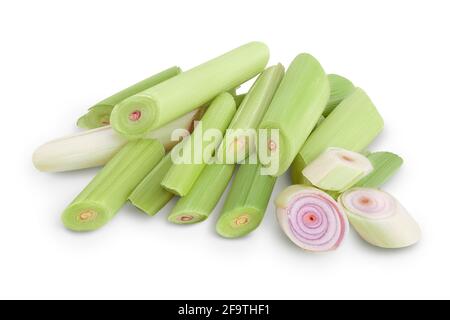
(311, 218)
(379, 218)
(337, 169)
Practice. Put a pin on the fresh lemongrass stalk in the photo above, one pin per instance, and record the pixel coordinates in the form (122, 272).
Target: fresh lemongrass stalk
(379, 218)
(295, 109)
(198, 204)
(353, 125)
(246, 203)
(337, 169)
(96, 147)
(240, 139)
(111, 187)
(311, 219)
(340, 88)
(156, 106)
(198, 149)
(99, 114)
(149, 196)
(385, 165)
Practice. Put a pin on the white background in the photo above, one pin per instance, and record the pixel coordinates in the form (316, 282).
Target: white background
(59, 57)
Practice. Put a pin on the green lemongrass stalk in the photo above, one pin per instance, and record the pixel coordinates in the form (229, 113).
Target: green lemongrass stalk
(99, 114)
(239, 141)
(340, 88)
(379, 218)
(296, 108)
(111, 187)
(385, 165)
(311, 219)
(182, 176)
(149, 196)
(198, 204)
(96, 147)
(352, 125)
(156, 106)
(337, 169)
(246, 204)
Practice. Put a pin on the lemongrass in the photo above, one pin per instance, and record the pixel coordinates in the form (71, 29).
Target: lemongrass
(198, 204)
(352, 125)
(96, 147)
(246, 204)
(311, 219)
(109, 190)
(337, 169)
(99, 114)
(240, 139)
(154, 107)
(295, 109)
(181, 176)
(379, 218)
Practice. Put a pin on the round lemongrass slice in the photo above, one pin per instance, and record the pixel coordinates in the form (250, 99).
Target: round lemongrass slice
(379, 218)
(311, 218)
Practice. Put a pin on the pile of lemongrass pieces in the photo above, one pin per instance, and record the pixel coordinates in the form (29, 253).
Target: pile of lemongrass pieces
(320, 125)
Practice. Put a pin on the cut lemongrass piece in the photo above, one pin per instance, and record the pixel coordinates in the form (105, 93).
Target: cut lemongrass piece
(240, 139)
(379, 218)
(385, 165)
(154, 107)
(198, 204)
(96, 147)
(337, 169)
(340, 88)
(246, 203)
(197, 150)
(311, 219)
(353, 125)
(295, 110)
(149, 196)
(111, 187)
(99, 114)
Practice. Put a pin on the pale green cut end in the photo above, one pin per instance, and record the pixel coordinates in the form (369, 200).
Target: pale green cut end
(385, 165)
(135, 117)
(186, 217)
(239, 222)
(85, 216)
(340, 88)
